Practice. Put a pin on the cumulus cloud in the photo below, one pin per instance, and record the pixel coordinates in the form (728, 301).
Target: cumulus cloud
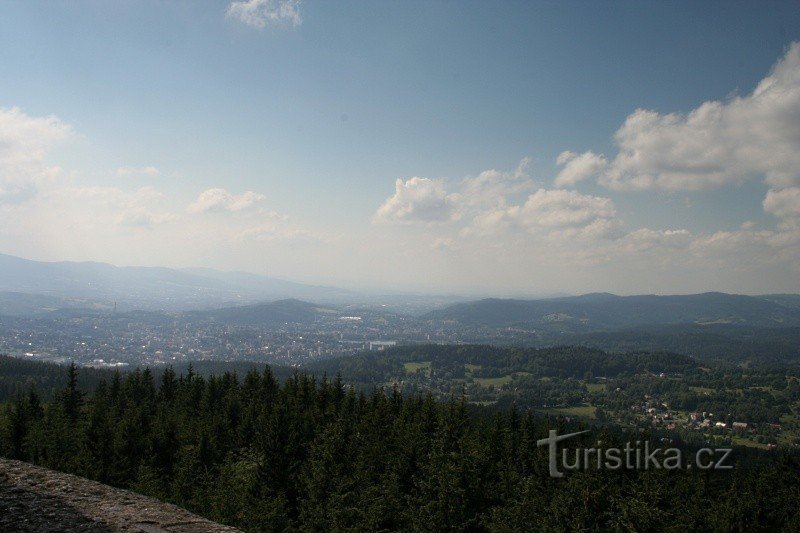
(429, 200)
(718, 143)
(493, 187)
(559, 208)
(494, 202)
(221, 200)
(494, 216)
(25, 139)
(784, 204)
(747, 244)
(24, 143)
(417, 200)
(578, 167)
(645, 240)
(557, 213)
(261, 13)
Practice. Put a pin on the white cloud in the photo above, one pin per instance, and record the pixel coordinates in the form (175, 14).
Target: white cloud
(578, 167)
(138, 171)
(645, 240)
(417, 200)
(784, 204)
(222, 200)
(741, 243)
(428, 200)
(559, 208)
(564, 214)
(492, 187)
(280, 233)
(260, 13)
(442, 244)
(142, 218)
(24, 143)
(492, 203)
(718, 143)
(555, 213)
(25, 139)
(486, 224)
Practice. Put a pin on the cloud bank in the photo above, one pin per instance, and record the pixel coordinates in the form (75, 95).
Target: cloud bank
(565, 230)
(221, 200)
(719, 143)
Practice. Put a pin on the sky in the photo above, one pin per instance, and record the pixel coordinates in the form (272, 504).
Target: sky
(494, 148)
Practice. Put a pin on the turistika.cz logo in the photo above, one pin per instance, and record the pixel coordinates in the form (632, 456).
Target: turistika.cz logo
(631, 457)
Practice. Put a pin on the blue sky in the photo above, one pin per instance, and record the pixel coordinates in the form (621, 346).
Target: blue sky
(269, 135)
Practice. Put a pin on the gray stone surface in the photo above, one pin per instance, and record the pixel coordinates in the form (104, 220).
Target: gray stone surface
(37, 499)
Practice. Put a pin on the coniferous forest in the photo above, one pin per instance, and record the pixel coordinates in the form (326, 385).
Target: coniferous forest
(314, 454)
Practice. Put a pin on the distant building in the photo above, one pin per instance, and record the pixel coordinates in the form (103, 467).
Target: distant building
(381, 345)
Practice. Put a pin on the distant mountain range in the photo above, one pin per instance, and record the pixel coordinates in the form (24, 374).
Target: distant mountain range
(29, 305)
(33, 288)
(602, 311)
(144, 287)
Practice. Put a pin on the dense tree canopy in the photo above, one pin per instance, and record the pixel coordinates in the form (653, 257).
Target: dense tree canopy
(316, 455)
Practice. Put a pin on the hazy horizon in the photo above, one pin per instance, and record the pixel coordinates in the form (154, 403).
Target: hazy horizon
(374, 292)
(466, 149)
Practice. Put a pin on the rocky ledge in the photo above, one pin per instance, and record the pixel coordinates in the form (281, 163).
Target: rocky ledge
(37, 499)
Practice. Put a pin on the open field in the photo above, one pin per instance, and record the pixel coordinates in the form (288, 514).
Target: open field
(495, 382)
(742, 441)
(499, 381)
(580, 411)
(415, 367)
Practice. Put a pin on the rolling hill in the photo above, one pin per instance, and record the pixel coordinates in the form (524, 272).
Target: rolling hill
(602, 311)
(31, 305)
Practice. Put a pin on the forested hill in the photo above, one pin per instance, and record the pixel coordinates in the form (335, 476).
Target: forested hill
(314, 455)
(749, 346)
(593, 312)
(454, 362)
(19, 375)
